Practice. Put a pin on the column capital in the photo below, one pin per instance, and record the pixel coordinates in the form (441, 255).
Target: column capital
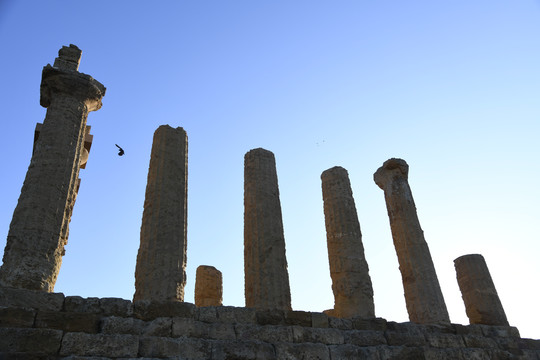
(71, 83)
(392, 168)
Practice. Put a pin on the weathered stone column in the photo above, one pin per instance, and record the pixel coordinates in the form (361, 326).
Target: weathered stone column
(265, 262)
(39, 228)
(208, 286)
(482, 302)
(423, 296)
(351, 284)
(161, 262)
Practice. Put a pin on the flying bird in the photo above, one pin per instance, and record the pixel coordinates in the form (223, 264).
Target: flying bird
(121, 151)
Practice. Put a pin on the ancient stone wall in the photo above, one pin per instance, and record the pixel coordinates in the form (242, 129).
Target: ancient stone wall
(39, 325)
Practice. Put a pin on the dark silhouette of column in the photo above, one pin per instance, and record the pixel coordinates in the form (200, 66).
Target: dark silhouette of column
(160, 273)
(39, 228)
(351, 284)
(482, 302)
(265, 263)
(423, 296)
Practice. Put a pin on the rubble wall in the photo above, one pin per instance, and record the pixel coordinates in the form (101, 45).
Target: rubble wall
(39, 325)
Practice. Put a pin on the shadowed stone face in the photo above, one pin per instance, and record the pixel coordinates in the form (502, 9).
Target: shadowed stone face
(39, 228)
(351, 284)
(482, 302)
(161, 261)
(423, 296)
(208, 286)
(265, 264)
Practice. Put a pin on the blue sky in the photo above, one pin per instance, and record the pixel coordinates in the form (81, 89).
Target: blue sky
(451, 87)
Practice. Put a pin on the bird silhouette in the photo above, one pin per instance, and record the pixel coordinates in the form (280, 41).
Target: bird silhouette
(121, 151)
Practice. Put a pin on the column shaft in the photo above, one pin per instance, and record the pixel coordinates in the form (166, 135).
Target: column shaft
(265, 263)
(39, 228)
(482, 302)
(351, 283)
(208, 286)
(423, 296)
(161, 261)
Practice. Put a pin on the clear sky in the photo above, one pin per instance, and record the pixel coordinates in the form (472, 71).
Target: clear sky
(452, 87)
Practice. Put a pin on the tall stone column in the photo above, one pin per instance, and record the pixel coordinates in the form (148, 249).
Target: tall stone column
(208, 286)
(39, 228)
(482, 302)
(265, 262)
(351, 284)
(423, 296)
(161, 261)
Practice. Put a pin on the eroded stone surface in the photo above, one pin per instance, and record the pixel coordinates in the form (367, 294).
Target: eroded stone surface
(423, 296)
(351, 284)
(482, 302)
(39, 228)
(161, 261)
(208, 286)
(265, 263)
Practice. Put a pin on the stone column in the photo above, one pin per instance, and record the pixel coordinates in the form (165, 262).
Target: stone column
(423, 296)
(482, 303)
(38, 230)
(161, 261)
(351, 284)
(265, 263)
(208, 286)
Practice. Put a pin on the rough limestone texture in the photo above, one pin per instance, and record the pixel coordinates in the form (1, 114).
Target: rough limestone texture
(351, 283)
(161, 261)
(39, 228)
(208, 286)
(423, 296)
(38, 325)
(265, 263)
(482, 302)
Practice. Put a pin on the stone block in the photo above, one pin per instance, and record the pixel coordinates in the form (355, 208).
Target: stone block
(69, 322)
(148, 310)
(300, 318)
(231, 350)
(442, 354)
(475, 341)
(116, 307)
(364, 337)
(319, 320)
(198, 329)
(302, 351)
(79, 304)
(231, 314)
(347, 351)
(33, 341)
(402, 353)
(207, 314)
(99, 345)
(445, 340)
(317, 335)
(16, 317)
(530, 344)
(475, 354)
(499, 331)
(267, 333)
(121, 325)
(180, 348)
(378, 324)
(270, 317)
(39, 300)
(337, 323)
(405, 338)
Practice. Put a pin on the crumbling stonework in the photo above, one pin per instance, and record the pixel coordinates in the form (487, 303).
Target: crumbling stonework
(208, 286)
(265, 263)
(423, 296)
(482, 302)
(39, 228)
(38, 325)
(161, 261)
(351, 284)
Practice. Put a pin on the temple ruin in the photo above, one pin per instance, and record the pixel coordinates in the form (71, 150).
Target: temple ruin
(36, 323)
